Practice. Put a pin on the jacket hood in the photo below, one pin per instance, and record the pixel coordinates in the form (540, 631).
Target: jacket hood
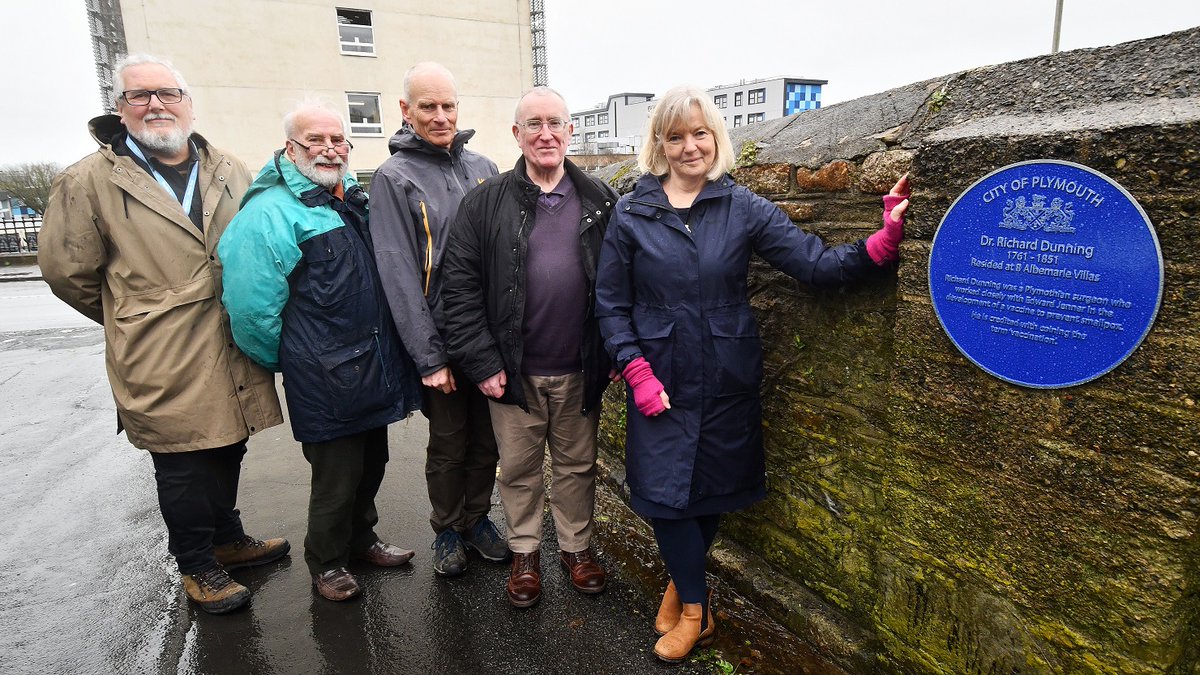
(280, 170)
(407, 139)
(107, 129)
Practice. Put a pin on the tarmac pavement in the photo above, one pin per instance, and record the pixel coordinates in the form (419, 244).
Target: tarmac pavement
(90, 588)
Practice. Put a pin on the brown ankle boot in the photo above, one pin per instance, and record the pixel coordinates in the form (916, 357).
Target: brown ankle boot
(669, 610)
(710, 632)
(679, 641)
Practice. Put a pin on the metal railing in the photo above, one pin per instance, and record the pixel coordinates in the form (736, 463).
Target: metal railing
(20, 235)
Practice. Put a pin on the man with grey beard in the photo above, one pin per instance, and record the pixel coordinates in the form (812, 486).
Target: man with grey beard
(304, 298)
(128, 241)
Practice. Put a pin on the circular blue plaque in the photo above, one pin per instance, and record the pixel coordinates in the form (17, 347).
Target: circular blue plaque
(1046, 274)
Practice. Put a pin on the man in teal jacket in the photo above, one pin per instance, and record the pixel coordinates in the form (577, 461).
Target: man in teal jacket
(304, 298)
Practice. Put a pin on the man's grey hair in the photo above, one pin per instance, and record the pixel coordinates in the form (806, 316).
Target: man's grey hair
(130, 60)
(541, 90)
(308, 105)
(426, 67)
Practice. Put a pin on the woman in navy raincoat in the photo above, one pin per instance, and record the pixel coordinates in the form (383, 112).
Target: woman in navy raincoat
(674, 313)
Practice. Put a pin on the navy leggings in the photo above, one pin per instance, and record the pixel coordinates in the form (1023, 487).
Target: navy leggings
(683, 544)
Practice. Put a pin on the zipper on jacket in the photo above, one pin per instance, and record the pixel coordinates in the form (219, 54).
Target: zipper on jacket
(379, 353)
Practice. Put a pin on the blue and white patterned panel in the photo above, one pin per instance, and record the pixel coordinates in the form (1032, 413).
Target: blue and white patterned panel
(798, 97)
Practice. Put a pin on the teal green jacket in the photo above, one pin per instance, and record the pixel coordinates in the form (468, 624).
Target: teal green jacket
(304, 298)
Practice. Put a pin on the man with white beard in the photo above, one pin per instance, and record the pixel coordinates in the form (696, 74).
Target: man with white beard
(304, 298)
(128, 241)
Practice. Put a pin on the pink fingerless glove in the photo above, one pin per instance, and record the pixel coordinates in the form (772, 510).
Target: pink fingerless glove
(646, 387)
(884, 245)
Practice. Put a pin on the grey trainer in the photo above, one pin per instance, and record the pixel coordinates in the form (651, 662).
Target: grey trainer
(487, 541)
(449, 555)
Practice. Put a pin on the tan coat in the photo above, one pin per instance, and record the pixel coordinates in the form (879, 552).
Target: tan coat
(120, 250)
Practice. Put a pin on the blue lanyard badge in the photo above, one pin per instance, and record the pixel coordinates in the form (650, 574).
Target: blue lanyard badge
(193, 178)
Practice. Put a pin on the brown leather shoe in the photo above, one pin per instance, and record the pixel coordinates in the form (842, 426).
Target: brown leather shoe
(587, 576)
(525, 579)
(384, 555)
(336, 584)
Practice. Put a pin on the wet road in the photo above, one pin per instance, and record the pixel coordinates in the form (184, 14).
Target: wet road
(89, 587)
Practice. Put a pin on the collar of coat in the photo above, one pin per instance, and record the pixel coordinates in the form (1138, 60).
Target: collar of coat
(280, 169)
(648, 197)
(407, 139)
(585, 185)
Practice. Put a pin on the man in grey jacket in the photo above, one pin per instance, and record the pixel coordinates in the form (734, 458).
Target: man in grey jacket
(414, 196)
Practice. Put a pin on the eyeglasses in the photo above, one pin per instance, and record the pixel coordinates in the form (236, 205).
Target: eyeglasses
(340, 147)
(142, 96)
(535, 126)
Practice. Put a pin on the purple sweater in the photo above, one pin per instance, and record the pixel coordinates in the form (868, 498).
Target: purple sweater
(555, 285)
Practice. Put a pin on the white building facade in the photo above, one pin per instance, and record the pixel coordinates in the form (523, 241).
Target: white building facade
(617, 126)
(248, 63)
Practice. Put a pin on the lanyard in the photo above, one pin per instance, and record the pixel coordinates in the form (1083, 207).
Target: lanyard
(188, 194)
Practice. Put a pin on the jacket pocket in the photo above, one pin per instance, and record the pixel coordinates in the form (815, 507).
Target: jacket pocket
(333, 271)
(738, 353)
(656, 338)
(133, 306)
(357, 378)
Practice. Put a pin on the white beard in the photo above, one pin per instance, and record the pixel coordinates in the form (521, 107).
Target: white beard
(326, 179)
(169, 142)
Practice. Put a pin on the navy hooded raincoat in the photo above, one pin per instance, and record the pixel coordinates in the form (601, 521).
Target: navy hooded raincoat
(675, 293)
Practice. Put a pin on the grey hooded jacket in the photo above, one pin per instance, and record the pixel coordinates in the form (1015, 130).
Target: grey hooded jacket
(414, 196)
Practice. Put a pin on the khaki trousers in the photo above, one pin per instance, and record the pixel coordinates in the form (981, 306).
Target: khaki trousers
(553, 420)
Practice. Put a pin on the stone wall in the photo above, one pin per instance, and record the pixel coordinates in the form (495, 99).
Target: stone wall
(949, 521)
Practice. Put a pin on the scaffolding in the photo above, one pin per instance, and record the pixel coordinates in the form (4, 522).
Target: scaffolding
(108, 44)
(537, 36)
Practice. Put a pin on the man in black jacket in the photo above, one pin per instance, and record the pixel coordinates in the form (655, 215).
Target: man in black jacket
(414, 196)
(519, 297)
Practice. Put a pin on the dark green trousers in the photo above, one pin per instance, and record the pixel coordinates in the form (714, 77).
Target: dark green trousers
(346, 474)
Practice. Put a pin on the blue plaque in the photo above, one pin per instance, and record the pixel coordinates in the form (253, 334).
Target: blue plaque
(1046, 274)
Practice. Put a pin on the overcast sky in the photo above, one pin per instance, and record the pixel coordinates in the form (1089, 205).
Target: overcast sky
(612, 46)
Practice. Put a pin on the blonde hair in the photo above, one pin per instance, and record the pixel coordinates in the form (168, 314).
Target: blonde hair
(670, 114)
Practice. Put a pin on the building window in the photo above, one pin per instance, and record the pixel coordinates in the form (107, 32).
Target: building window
(575, 121)
(602, 134)
(602, 118)
(757, 96)
(589, 137)
(574, 139)
(737, 121)
(364, 179)
(589, 121)
(755, 117)
(721, 100)
(737, 98)
(355, 33)
(364, 113)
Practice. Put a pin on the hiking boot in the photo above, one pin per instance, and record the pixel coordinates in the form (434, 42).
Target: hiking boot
(214, 591)
(487, 541)
(249, 551)
(449, 555)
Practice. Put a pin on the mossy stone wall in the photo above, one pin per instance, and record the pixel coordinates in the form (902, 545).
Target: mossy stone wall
(967, 524)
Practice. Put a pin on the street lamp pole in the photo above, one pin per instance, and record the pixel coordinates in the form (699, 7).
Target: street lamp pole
(1057, 26)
